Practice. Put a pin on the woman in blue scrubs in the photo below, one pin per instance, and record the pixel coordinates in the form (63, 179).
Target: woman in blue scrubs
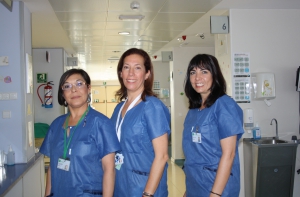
(212, 129)
(81, 144)
(142, 126)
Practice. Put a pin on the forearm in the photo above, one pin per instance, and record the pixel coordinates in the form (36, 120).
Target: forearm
(155, 175)
(108, 182)
(48, 182)
(223, 173)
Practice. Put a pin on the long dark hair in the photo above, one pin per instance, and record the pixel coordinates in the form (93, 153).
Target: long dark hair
(122, 92)
(218, 87)
(64, 77)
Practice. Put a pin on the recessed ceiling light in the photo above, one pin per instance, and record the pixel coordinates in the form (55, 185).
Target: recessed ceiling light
(163, 41)
(124, 33)
(131, 17)
(113, 58)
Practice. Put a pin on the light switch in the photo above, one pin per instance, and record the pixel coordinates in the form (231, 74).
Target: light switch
(6, 114)
(13, 95)
(5, 96)
(4, 61)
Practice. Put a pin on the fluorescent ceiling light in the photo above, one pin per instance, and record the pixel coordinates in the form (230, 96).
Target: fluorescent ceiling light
(131, 17)
(124, 33)
(163, 41)
(113, 58)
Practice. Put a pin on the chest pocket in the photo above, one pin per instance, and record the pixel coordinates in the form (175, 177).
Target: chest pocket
(205, 132)
(133, 139)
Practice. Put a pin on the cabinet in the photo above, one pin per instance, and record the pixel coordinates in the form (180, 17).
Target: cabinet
(104, 99)
(25, 180)
(269, 169)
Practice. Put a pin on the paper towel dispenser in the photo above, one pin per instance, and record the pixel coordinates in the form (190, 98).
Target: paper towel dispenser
(263, 85)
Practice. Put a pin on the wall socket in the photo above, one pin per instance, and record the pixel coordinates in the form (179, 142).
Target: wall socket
(6, 114)
(13, 95)
(8, 96)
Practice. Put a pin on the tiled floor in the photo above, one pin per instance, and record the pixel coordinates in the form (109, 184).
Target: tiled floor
(176, 180)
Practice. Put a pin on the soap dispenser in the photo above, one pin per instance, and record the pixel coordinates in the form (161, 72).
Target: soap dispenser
(10, 156)
(256, 132)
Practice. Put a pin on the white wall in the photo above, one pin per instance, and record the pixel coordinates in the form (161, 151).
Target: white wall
(179, 102)
(54, 70)
(272, 39)
(15, 41)
(222, 51)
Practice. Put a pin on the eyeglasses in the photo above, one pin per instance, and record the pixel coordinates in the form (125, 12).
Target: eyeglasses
(77, 85)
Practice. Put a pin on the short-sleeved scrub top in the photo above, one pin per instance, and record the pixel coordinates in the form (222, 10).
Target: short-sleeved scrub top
(93, 138)
(203, 130)
(144, 122)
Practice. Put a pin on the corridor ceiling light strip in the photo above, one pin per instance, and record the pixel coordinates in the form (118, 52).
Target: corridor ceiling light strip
(131, 17)
(124, 33)
(153, 41)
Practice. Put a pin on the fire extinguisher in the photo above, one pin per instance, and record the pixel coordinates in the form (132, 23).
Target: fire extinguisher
(48, 99)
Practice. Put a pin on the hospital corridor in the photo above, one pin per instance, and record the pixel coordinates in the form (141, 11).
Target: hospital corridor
(176, 179)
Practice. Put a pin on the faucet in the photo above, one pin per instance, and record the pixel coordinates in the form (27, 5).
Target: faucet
(276, 127)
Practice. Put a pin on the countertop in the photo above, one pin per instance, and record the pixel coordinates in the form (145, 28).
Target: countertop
(12, 174)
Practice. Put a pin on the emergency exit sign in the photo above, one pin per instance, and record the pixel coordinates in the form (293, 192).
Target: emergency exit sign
(41, 77)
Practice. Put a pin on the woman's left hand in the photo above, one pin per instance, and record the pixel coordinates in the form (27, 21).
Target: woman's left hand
(228, 146)
(160, 145)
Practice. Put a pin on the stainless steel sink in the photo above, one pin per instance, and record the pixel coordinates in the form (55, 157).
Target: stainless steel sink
(270, 141)
(269, 162)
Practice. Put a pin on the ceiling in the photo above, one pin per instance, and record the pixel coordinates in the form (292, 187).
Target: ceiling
(88, 29)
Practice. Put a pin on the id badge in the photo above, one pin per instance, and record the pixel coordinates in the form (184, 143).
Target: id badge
(63, 164)
(119, 160)
(196, 137)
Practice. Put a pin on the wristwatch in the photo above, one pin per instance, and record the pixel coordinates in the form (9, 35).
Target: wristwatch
(147, 194)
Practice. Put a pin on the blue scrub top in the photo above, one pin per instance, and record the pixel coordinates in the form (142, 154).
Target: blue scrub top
(223, 119)
(146, 121)
(92, 140)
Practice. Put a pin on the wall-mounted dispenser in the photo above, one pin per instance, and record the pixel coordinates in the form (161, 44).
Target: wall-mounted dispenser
(248, 119)
(164, 93)
(263, 85)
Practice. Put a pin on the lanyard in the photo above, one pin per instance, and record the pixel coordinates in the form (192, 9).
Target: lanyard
(66, 145)
(118, 127)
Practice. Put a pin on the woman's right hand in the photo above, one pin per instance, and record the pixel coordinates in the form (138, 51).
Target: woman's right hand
(184, 195)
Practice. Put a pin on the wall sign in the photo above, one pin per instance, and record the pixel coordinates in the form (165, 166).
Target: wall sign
(41, 77)
(219, 25)
(241, 77)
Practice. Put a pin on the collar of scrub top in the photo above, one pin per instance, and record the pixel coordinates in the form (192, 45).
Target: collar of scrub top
(66, 145)
(118, 127)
